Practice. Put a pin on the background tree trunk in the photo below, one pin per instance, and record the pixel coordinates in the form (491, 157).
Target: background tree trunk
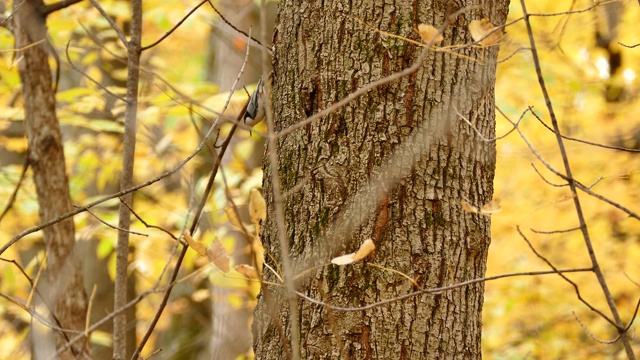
(322, 53)
(62, 284)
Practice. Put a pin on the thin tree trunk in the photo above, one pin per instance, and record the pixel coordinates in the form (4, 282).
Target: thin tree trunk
(408, 129)
(62, 283)
(124, 342)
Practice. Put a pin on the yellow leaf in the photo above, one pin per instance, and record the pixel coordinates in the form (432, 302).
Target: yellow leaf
(217, 254)
(429, 34)
(232, 214)
(257, 207)
(247, 270)
(197, 246)
(484, 29)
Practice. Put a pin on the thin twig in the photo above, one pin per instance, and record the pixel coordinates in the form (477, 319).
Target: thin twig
(114, 26)
(480, 134)
(629, 46)
(555, 231)
(629, 212)
(40, 296)
(176, 26)
(97, 83)
(113, 226)
(591, 335)
(633, 318)
(153, 226)
(620, 148)
(87, 322)
(101, 322)
(545, 180)
(238, 30)
(14, 194)
(42, 319)
(577, 184)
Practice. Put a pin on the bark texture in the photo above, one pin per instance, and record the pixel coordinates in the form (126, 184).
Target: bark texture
(62, 287)
(322, 53)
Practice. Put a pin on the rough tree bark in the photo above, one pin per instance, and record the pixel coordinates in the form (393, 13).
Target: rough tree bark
(62, 285)
(321, 54)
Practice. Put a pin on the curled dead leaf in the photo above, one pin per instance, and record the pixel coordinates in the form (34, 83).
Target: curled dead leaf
(247, 270)
(257, 207)
(489, 208)
(429, 34)
(344, 259)
(258, 251)
(232, 215)
(483, 31)
(365, 249)
(217, 254)
(468, 207)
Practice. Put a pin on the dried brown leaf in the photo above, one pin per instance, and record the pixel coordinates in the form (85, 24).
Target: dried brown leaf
(491, 207)
(344, 259)
(484, 29)
(365, 249)
(429, 34)
(257, 207)
(468, 207)
(197, 246)
(232, 215)
(247, 270)
(217, 254)
(258, 251)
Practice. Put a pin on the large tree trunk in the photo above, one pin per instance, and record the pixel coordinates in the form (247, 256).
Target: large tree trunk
(322, 53)
(62, 284)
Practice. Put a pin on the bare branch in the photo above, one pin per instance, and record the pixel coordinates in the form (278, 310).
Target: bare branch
(572, 184)
(555, 231)
(48, 9)
(629, 46)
